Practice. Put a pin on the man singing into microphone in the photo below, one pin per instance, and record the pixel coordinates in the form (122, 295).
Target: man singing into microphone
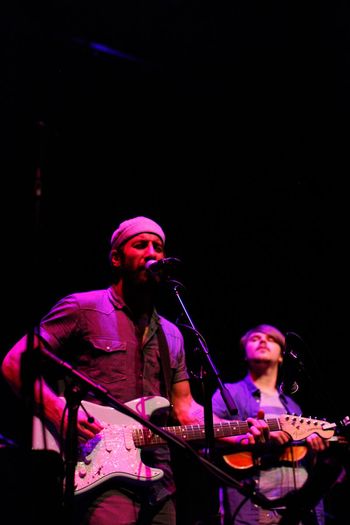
(116, 337)
(276, 470)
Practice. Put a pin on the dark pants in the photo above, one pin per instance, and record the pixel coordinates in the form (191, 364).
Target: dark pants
(114, 507)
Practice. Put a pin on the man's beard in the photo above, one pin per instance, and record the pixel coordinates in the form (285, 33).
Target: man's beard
(139, 280)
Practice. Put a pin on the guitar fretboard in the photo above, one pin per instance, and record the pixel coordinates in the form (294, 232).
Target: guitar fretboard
(145, 437)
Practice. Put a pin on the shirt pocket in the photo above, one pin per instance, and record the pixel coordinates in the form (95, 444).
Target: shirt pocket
(108, 359)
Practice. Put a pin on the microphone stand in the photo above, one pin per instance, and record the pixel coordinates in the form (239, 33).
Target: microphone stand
(208, 369)
(29, 369)
(74, 393)
(208, 366)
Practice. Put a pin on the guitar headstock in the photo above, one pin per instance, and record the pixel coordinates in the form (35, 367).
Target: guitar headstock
(300, 427)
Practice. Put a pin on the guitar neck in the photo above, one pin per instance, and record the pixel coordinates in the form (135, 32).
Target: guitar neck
(145, 437)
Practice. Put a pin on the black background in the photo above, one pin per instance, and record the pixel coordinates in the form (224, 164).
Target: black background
(226, 123)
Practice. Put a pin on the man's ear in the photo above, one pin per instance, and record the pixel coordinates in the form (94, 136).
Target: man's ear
(115, 258)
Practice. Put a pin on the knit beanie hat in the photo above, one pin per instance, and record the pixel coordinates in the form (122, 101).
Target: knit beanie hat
(135, 226)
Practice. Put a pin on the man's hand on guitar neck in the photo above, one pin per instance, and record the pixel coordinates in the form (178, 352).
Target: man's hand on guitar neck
(279, 437)
(258, 431)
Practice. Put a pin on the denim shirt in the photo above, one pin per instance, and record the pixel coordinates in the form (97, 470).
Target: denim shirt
(246, 396)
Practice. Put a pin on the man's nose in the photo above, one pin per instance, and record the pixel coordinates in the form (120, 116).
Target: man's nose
(150, 250)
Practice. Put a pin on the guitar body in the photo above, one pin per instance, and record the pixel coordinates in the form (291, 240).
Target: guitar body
(246, 459)
(112, 453)
(240, 460)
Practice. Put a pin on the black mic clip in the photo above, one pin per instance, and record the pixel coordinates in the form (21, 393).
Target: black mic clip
(292, 368)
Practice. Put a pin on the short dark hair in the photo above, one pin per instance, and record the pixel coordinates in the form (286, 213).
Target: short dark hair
(265, 329)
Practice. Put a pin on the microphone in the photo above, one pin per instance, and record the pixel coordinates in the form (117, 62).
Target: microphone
(163, 265)
(288, 384)
(291, 369)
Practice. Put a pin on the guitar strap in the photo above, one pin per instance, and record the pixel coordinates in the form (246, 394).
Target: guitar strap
(165, 361)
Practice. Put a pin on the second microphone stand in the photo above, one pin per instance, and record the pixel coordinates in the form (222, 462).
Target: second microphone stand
(208, 371)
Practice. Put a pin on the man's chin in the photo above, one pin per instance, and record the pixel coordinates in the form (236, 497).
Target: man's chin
(261, 360)
(143, 279)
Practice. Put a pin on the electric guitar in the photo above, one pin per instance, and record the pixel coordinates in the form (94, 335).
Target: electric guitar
(115, 452)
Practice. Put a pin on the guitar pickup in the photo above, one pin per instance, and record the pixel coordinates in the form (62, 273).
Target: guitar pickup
(128, 438)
